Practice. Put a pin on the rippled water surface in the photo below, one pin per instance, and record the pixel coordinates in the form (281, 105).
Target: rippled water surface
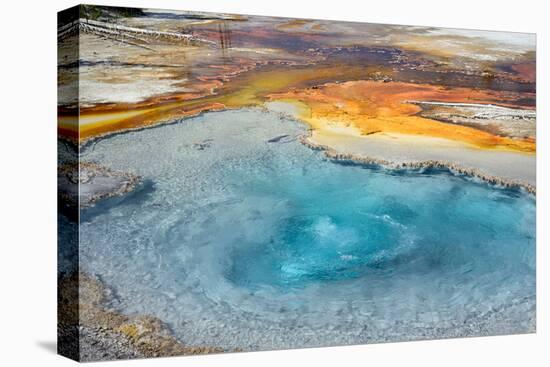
(242, 237)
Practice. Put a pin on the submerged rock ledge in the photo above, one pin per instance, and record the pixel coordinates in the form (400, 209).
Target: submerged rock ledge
(455, 168)
(82, 185)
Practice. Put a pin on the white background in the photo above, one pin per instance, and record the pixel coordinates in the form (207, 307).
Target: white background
(28, 182)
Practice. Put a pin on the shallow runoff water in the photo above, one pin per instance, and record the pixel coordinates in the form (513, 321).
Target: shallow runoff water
(242, 237)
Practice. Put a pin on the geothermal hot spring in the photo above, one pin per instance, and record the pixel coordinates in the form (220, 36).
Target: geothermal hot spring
(242, 237)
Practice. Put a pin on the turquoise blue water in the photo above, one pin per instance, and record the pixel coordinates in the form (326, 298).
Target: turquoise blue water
(343, 225)
(243, 237)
